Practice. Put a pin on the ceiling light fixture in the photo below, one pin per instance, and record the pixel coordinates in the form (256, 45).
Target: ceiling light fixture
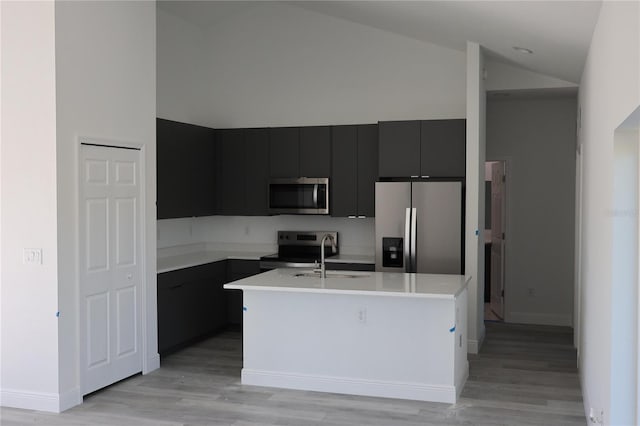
(523, 50)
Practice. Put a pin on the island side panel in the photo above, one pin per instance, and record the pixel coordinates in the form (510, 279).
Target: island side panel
(461, 368)
(402, 347)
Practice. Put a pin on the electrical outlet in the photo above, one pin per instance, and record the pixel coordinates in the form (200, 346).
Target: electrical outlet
(362, 315)
(32, 256)
(594, 418)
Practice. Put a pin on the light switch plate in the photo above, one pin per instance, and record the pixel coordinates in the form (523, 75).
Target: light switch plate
(32, 256)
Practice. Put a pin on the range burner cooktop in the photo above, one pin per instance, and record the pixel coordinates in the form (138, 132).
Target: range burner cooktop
(299, 249)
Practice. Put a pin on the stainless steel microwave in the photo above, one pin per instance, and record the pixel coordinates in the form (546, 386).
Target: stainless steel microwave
(299, 196)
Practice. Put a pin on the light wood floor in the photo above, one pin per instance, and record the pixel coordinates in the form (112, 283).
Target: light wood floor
(524, 375)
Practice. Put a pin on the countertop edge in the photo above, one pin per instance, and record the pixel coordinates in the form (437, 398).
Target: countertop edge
(212, 256)
(377, 293)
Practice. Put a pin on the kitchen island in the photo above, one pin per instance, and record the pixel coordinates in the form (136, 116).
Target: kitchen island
(364, 333)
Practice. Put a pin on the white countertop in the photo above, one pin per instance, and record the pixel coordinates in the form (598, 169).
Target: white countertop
(187, 260)
(367, 283)
(202, 257)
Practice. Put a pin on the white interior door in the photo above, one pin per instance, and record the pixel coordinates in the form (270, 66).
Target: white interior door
(110, 266)
(498, 222)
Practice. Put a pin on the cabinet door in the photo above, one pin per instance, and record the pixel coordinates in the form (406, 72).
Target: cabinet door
(284, 152)
(399, 151)
(443, 148)
(231, 171)
(191, 304)
(237, 270)
(203, 168)
(173, 309)
(257, 171)
(212, 304)
(315, 151)
(367, 169)
(174, 176)
(344, 175)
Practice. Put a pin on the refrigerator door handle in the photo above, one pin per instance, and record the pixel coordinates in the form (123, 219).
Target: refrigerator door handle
(414, 238)
(407, 240)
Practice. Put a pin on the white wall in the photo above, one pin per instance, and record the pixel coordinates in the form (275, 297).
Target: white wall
(181, 70)
(105, 64)
(28, 293)
(537, 137)
(277, 65)
(475, 173)
(609, 92)
(502, 76)
(230, 232)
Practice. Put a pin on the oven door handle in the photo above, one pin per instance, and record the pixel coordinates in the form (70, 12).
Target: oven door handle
(315, 195)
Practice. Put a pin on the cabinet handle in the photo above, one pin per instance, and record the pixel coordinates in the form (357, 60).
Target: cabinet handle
(173, 287)
(351, 217)
(362, 217)
(416, 176)
(426, 177)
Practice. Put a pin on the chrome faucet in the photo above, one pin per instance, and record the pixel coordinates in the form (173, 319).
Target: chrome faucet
(323, 269)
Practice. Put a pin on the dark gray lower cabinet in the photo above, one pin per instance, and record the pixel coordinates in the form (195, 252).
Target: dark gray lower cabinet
(191, 304)
(350, 266)
(237, 270)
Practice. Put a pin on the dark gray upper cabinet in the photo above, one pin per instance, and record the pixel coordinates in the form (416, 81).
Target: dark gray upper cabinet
(399, 148)
(344, 176)
(231, 171)
(367, 169)
(185, 172)
(428, 148)
(173, 180)
(257, 171)
(354, 170)
(284, 152)
(203, 172)
(443, 148)
(315, 151)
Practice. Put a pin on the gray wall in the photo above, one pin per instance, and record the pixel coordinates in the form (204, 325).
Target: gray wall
(537, 137)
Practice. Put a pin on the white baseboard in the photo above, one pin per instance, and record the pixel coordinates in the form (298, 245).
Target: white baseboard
(462, 380)
(153, 363)
(387, 389)
(70, 398)
(40, 401)
(539, 319)
(473, 346)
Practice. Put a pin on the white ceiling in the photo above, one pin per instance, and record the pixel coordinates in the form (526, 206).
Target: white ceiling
(559, 32)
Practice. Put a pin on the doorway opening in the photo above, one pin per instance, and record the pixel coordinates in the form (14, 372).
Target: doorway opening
(624, 267)
(494, 239)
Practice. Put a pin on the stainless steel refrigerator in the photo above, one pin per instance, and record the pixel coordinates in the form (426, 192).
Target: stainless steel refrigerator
(419, 227)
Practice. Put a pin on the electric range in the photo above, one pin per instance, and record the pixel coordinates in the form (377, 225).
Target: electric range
(300, 249)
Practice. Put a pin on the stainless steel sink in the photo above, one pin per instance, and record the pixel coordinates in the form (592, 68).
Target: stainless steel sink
(330, 274)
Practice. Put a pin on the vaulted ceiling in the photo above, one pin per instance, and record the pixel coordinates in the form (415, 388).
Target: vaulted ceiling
(558, 32)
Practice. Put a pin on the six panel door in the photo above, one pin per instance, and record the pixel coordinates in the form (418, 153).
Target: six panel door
(110, 266)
